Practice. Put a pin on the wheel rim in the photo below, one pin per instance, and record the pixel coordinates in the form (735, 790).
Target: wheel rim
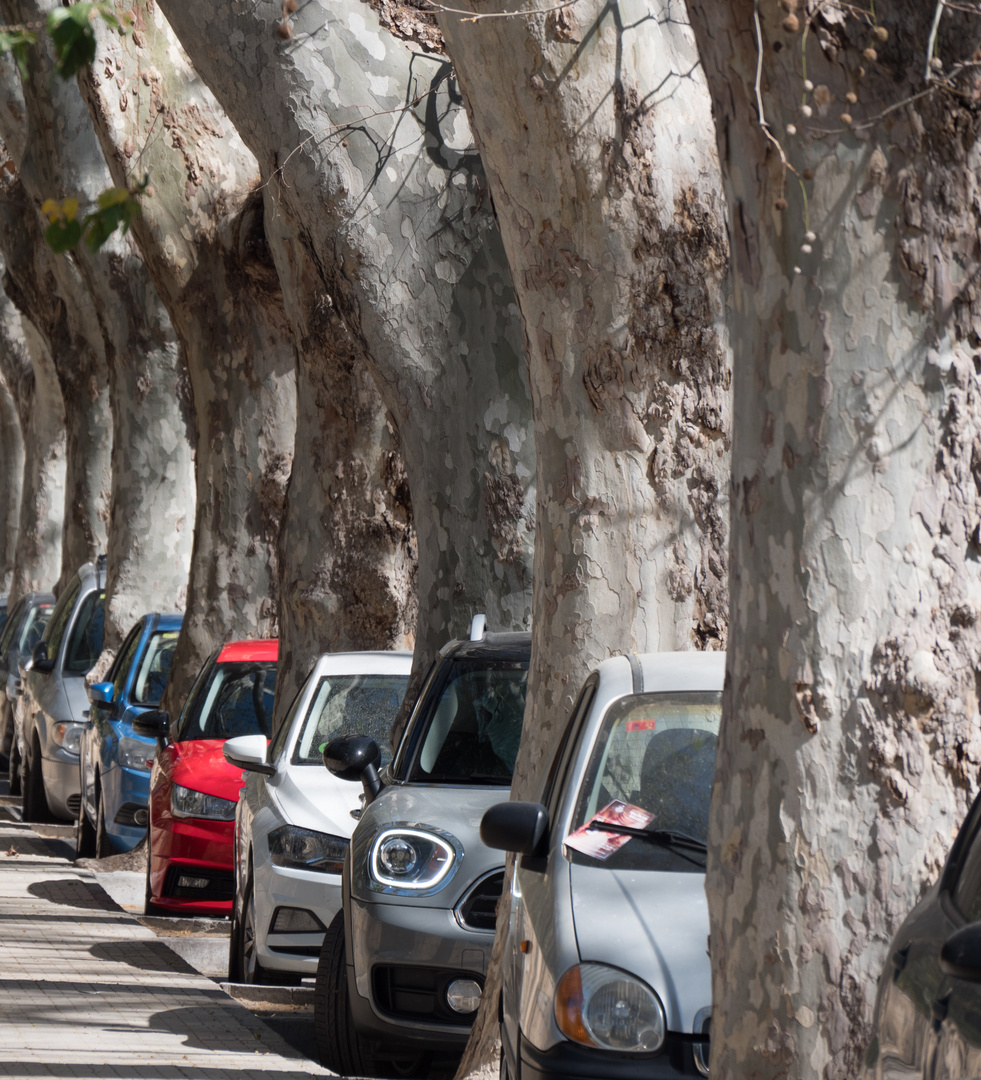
(249, 963)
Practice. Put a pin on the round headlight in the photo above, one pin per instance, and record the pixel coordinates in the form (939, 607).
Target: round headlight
(398, 856)
(600, 1006)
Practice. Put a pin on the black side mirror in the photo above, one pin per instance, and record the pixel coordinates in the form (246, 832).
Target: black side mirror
(521, 827)
(355, 757)
(153, 724)
(40, 661)
(960, 956)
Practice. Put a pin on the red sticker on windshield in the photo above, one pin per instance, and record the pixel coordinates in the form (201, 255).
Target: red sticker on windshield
(641, 725)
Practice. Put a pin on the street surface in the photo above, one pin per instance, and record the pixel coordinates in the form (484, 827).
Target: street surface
(86, 990)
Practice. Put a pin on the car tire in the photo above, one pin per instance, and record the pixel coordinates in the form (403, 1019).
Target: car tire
(339, 1046)
(35, 808)
(14, 770)
(103, 846)
(84, 835)
(149, 907)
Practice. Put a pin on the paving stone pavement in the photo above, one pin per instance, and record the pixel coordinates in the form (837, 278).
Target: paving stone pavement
(87, 991)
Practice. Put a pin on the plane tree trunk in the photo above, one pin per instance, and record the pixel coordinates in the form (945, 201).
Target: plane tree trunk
(851, 740)
(619, 263)
(11, 477)
(376, 176)
(29, 376)
(151, 500)
(48, 292)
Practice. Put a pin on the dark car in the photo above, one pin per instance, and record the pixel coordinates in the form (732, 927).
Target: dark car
(21, 632)
(927, 1021)
(402, 967)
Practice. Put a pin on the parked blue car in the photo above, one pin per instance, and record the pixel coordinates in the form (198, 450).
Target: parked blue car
(115, 762)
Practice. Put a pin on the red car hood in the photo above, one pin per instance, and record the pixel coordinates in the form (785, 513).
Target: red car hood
(200, 765)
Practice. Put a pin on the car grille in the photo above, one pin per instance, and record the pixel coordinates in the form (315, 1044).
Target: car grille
(220, 883)
(419, 993)
(478, 909)
(74, 804)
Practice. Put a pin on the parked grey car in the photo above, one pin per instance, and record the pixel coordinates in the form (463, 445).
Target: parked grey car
(20, 634)
(605, 967)
(50, 711)
(402, 966)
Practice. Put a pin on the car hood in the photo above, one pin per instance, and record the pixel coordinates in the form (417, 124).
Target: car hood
(310, 797)
(200, 765)
(447, 809)
(652, 924)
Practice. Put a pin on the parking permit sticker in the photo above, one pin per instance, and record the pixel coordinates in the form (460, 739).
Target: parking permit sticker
(600, 844)
(641, 725)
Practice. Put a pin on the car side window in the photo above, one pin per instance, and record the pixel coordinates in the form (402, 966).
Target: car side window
(119, 672)
(58, 623)
(967, 886)
(10, 629)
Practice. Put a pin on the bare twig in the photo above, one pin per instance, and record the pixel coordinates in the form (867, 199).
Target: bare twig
(932, 41)
(471, 16)
(765, 127)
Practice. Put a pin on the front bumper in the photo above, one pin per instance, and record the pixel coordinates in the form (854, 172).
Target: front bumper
(286, 887)
(567, 1061)
(124, 790)
(192, 847)
(401, 959)
(61, 785)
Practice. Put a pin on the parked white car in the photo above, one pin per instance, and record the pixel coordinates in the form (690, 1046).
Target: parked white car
(294, 819)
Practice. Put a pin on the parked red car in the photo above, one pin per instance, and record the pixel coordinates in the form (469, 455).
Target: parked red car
(193, 789)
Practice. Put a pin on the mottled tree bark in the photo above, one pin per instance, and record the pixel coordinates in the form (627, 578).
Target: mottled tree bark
(377, 179)
(851, 739)
(29, 375)
(11, 481)
(48, 292)
(619, 262)
(151, 502)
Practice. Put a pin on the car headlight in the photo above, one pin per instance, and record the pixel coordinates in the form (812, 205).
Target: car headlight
(68, 736)
(600, 1006)
(305, 849)
(187, 803)
(411, 860)
(136, 754)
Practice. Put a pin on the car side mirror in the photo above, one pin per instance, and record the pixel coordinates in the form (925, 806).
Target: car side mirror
(355, 757)
(40, 661)
(521, 827)
(100, 693)
(153, 724)
(960, 955)
(248, 752)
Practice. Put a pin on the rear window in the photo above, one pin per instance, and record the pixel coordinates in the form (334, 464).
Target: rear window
(233, 699)
(349, 705)
(472, 732)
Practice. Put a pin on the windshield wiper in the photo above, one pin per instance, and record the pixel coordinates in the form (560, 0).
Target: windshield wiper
(665, 838)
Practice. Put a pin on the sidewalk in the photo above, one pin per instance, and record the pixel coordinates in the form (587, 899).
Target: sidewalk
(87, 991)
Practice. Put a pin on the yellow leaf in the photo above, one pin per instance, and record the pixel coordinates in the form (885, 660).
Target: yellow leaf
(70, 209)
(113, 197)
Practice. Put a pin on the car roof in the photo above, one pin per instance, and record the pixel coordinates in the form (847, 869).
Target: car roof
(257, 649)
(509, 646)
(366, 662)
(649, 673)
(158, 620)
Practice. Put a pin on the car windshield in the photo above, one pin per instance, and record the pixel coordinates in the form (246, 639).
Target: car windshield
(236, 698)
(349, 705)
(473, 732)
(650, 770)
(154, 671)
(85, 643)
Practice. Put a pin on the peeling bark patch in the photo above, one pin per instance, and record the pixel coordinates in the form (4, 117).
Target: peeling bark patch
(410, 20)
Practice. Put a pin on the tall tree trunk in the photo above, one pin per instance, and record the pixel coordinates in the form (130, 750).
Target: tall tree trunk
(377, 179)
(48, 292)
(619, 263)
(221, 286)
(29, 375)
(151, 501)
(850, 743)
(11, 481)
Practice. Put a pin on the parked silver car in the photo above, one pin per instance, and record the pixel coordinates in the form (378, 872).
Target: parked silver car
(50, 711)
(605, 966)
(402, 967)
(293, 820)
(20, 634)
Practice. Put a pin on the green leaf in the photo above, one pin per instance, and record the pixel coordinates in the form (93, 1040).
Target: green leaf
(63, 235)
(74, 42)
